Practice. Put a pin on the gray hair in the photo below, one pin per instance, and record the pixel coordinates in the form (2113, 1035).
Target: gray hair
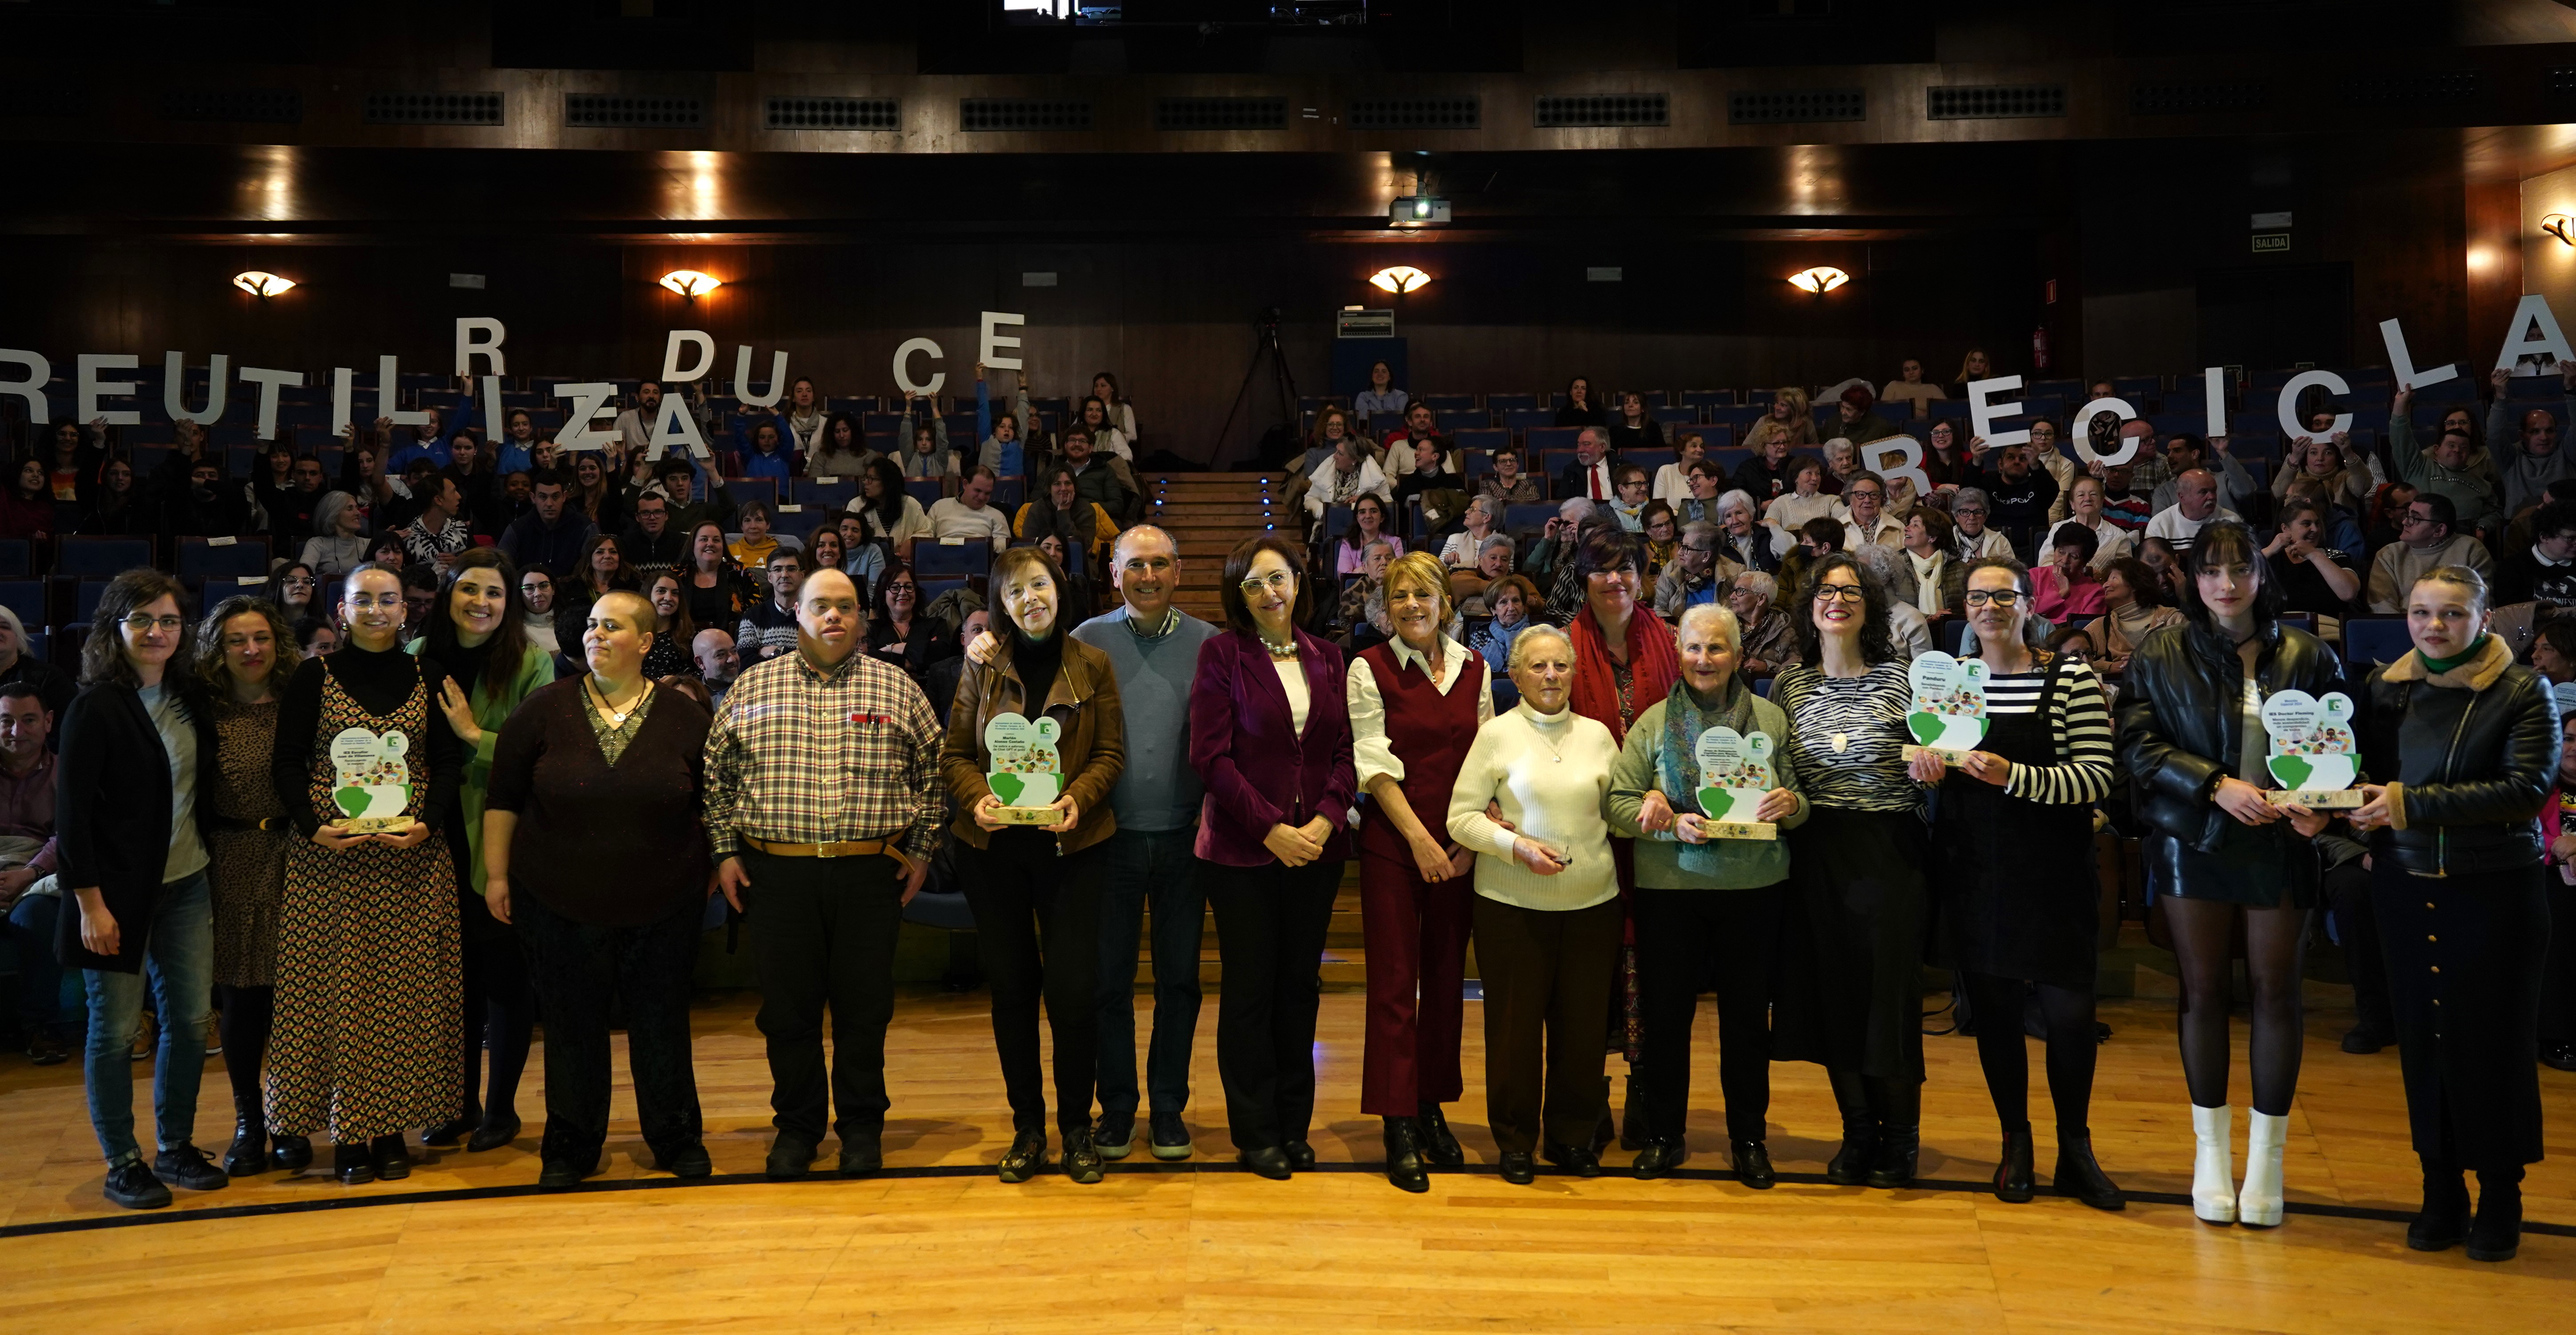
(1493, 509)
(1576, 508)
(1717, 617)
(1538, 630)
(1756, 581)
(1699, 530)
(326, 512)
(1966, 494)
(1880, 560)
(1843, 441)
(1864, 475)
(1601, 434)
(10, 618)
(1493, 540)
(1374, 544)
(1737, 497)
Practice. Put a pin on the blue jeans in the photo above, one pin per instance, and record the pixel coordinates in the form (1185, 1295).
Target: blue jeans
(1155, 865)
(179, 957)
(40, 975)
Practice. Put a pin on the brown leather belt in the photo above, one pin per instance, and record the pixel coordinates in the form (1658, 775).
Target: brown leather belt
(847, 848)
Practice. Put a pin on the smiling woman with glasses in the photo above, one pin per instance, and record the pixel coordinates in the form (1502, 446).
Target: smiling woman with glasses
(369, 994)
(138, 750)
(1851, 992)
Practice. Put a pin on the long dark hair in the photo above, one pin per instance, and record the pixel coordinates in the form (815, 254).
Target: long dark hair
(585, 575)
(103, 653)
(2221, 542)
(508, 646)
(888, 510)
(1876, 645)
(1351, 536)
(209, 661)
(1238, 564)
(684, 630)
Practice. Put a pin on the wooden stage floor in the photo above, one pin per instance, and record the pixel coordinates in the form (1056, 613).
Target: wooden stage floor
(938, 1244)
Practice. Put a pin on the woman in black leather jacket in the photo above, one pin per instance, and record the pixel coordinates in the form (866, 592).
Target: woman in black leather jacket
(2192, 741)
(2462, 745)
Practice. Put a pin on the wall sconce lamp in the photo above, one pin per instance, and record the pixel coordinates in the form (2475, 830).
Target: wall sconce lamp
(689, 282)
(261, 284)
(1820, 280)
(1399, 279)
(2561, 226)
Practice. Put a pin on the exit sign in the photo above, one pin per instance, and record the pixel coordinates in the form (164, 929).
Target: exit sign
(2271, 243)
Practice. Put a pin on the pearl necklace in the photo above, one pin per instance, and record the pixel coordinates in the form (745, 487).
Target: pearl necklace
(1281, 651)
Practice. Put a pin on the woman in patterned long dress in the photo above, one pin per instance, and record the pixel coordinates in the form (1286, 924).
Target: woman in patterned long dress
(479, 636)
(246, 656)
(1851, 984)
(368, 984)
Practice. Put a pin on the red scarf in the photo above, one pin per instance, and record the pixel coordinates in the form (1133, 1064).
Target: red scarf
(1654, 664)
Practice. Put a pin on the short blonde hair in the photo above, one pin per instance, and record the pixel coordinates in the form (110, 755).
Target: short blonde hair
(1426, 572)
(1538, 631)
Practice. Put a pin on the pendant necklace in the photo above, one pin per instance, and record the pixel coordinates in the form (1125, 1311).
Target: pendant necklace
(617, 718)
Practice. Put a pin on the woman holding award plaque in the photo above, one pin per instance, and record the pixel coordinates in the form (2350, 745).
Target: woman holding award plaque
(1851, 989)
(2462, 743)
(2013, 893)
(368, 979)
(2193, 740)
(1416, 701)
(1700, 787)
(1036, 741)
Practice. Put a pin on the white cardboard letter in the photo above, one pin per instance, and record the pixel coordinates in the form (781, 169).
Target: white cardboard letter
(268, 381)
(587, 400)
(389, 379)
(2079, 429)
(2213, 398)
(742, 377)
(87, 388)
(990, 353)
(32, 389)
(2291, 427)
(173, 379)
(2402, 365)
(344, 389)
(469, 347)
(2522, 340)
(671, 372)
(1982, 415)
(495, 423)
(902, 359)
(676, 427)
(1898, 456)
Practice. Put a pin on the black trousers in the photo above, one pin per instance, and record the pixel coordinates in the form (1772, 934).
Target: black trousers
(1547, 979)
(582, 970)
(1684, 936)
(1037, 928)
(2347, 896)
(1270, 925)
(822, 933)
(2558, 975)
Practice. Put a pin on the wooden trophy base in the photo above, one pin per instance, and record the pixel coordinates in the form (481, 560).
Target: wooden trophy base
(2315, 799)
(1953, 759)
(1739, 829)
(372, 824)
(1026, 815)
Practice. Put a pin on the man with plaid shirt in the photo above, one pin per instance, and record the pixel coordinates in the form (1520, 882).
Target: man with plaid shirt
(823, 808)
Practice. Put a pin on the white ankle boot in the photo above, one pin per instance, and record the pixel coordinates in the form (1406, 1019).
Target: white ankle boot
(2213, 1169)
(2259, 1203)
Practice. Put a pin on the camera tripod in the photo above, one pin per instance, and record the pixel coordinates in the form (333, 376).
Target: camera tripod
(1281, 438)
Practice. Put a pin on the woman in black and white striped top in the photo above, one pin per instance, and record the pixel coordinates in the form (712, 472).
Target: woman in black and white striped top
(1851, 990)
(2013, 892)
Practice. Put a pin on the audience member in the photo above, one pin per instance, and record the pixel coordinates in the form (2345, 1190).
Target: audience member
(1591, 475)
(769, 628)
(2195, 506)
(2427, 541)
(2313, 578)
(968, 516)
(2542, 571)
(30, 895)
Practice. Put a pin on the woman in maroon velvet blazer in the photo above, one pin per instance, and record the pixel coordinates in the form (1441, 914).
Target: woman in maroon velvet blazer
(1270, 734)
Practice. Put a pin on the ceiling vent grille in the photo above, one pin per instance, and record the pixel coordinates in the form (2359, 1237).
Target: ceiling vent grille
(1622, 109)
(273, 106)
(2411, 90)
(25, 99)
(1418, 113)
(1797, 106)
(2183, 99)
(1997, 102)
(835, 113)
(434, 109)
(1221, 113)
(983, 114)
(619, 111)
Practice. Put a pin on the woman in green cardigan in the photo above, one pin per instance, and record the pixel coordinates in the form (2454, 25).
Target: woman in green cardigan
(1703, 897)
(478, 633)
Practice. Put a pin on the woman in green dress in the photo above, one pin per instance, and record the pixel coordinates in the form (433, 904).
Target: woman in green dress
(480, 636)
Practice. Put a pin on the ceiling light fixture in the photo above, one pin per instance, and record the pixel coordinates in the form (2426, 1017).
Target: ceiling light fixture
(1399, 279)
(689, 282)
(1820, 280)
(2561, 226)
(261, 284)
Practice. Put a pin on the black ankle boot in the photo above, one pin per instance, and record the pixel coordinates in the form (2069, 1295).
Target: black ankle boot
(2497, 1234)
(248, 1154)
(290, 1153)
(1404, 1155)
(1900, 1131)
(2015, 1179)
(2079, 1176)
(1850, 1164)
(2444, 1220)
(1437, 1142)
(352, 1164)
(1633, 1132)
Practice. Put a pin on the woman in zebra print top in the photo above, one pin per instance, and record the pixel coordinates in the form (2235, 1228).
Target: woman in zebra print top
(2013, 891)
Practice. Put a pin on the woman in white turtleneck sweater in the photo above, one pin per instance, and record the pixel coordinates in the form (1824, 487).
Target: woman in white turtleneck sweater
(1547, 909)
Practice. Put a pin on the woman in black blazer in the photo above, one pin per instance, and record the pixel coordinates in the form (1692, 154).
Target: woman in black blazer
(138, 752)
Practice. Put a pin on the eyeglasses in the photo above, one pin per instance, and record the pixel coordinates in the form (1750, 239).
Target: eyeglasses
(140, 622)
(2414, 518)
(1968, 510)
(1999, 597)
(1848, 593)
(533, 585)
(1276, 581)
(1702, 550)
